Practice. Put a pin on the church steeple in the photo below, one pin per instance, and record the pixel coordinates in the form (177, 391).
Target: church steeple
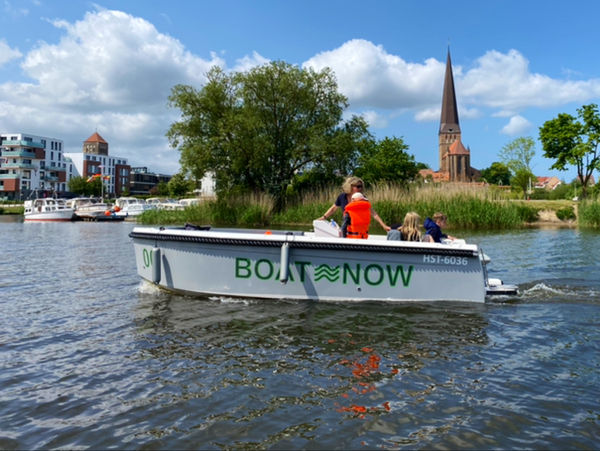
(449, 117)
(449, 128)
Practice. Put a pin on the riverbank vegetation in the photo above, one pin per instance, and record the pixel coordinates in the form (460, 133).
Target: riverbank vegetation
(11, 207)
(467, 207)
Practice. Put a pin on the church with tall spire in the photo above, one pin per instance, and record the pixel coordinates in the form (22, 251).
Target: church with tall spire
(454, 157)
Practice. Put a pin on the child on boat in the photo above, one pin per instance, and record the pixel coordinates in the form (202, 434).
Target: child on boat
(408, 230)
(357, 217)
(433, 228)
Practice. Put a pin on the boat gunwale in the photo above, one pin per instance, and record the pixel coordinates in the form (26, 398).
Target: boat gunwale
(300, 242)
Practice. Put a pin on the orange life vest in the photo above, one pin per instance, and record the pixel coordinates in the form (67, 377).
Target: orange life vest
(360, 219)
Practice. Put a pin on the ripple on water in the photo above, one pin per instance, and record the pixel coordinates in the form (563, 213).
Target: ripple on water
(96, 359)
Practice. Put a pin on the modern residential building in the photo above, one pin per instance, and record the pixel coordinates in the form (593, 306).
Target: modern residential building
(94, 159)
(142, 181)
(30, 162)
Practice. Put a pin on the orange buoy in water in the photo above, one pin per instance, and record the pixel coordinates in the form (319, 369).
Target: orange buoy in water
(107, 213)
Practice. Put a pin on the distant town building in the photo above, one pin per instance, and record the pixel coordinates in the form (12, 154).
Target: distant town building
(95, 159)
(142, 181)
(454, 157)
(208, 185)
(547, 183)
(31, 162)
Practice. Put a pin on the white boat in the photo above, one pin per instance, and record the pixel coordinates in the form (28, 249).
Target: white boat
(91, 209)
(191, 202)
(47, 209)
(310, 266)
(130, 206)
(163, 204)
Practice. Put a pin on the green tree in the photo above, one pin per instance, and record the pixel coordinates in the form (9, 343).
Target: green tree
(162, 189)
(518, 154)
(574, 142)
(497, 174)
(178, 185)
(80, 185)
(387, 160)
(255, 130)
(522, 180)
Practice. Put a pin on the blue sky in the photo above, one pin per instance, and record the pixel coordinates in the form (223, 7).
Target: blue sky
(69, 67)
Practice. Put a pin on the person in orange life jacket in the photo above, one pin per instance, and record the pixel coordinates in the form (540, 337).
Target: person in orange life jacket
(351, 186)
(357, 217)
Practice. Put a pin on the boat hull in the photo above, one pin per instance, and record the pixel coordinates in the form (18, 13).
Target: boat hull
(250, 265)
(48, 217)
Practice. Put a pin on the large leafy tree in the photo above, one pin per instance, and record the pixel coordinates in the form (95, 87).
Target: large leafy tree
(573, 142)
(255, 130)
(518, 153)
(387, 160)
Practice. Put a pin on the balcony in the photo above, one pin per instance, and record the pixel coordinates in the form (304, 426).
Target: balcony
(50, 178)
(18, 153)
(18, 166)
(9, 176)
(51, 167)
(21, 143)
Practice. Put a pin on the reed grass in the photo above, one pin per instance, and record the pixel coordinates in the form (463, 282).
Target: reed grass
(467, 207)
(589, 214)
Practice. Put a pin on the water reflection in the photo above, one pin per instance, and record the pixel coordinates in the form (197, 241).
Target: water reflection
(254, 362)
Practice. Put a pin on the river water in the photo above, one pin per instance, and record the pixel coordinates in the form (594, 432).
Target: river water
(93, 358)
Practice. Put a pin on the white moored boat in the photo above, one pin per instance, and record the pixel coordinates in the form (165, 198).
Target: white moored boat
(130, 206)
(92, 209)
(310, 265)
(47, 209)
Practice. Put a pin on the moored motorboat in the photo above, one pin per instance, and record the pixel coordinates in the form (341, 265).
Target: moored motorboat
(47, 209)
(92, 209)
(309, 265)
(130, 207)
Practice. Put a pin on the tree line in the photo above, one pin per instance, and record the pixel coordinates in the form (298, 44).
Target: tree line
(281, 129)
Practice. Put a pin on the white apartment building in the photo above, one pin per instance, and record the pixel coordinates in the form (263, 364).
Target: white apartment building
(94, 159)
(29, 162)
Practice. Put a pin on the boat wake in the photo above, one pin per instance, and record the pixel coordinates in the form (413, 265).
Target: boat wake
(227, 300)
(146, 287)
(559, 291)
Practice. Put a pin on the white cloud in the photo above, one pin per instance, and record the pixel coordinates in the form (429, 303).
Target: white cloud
(517, 125)
(374, 119)
(504, 81)
(112, 72)
(371, 77)
(6, 53)
(248, 62)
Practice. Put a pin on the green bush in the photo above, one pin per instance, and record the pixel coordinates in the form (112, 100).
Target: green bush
(565, 214)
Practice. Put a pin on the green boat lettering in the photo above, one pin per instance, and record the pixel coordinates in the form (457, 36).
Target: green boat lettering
(372, 274)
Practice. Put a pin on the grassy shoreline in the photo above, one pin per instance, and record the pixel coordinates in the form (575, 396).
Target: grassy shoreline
(468, 208)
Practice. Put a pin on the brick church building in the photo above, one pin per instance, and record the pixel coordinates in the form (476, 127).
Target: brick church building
(455, 158)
